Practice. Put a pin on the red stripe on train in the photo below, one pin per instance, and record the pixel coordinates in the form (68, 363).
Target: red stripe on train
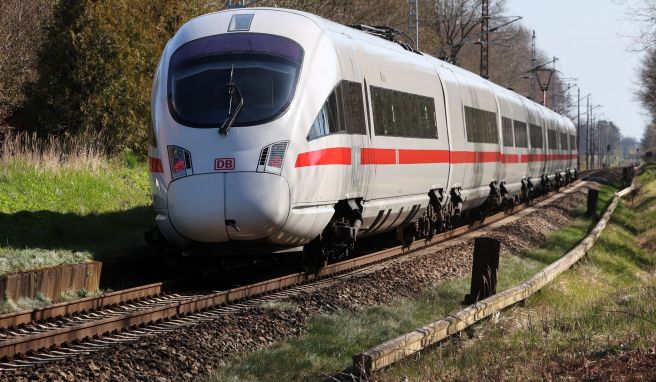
(335, 155)
(458, 157)
(423, 156)
(378, 156)
(371, 156)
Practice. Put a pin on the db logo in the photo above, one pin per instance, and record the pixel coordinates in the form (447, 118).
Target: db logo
(224, 164)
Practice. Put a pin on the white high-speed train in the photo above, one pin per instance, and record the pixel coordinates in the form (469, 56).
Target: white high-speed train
(275, 129)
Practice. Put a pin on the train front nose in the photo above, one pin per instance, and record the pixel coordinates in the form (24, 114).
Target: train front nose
(220, 207)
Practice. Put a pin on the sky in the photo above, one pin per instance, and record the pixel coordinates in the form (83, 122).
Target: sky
(592, 40)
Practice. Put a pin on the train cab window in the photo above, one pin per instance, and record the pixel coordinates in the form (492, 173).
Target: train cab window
(400, 114)
(265, 69)
(521, 137)
(563, 141)
(535, 134)
(343, 112)
(481, 125)
(572, 142)
(506, 124)
(552, 136)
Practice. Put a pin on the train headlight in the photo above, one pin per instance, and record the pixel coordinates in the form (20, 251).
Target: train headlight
(272, 158)
(180, 162)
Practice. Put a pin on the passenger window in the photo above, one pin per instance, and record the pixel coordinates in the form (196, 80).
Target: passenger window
(400, 114)
(537, 142)
(481, 125)
(563, 141)
(343, 112)
(553, 139)
(507, 132)
(521, 139)
(572, 142)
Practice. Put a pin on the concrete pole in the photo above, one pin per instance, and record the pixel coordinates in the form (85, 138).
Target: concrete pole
(533, 73)
(587, 134)
(578, 128)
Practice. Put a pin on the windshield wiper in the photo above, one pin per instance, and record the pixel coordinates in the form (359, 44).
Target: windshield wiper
(233, 90)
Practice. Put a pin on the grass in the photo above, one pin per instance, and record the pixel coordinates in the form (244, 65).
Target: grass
(325, 350)
(63, 202)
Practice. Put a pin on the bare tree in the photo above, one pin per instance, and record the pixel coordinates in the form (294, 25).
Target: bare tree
(456, 23)
(647, 90)
(645, 16)
(648, 141)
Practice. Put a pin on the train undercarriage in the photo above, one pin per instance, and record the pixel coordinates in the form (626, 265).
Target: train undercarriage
(443, 213)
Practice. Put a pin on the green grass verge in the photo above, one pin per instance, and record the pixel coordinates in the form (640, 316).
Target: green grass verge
(69, 213)
(331, 340)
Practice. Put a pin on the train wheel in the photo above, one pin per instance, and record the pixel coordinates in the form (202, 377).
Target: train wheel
(314, 257)
(406, 235)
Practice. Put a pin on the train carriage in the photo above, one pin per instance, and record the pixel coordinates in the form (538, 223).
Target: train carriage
(275, 129)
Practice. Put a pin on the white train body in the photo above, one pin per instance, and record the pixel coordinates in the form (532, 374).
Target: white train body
(415, 124)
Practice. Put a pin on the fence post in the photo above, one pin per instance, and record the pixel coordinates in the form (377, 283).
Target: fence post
(484, 269)
(593, 197)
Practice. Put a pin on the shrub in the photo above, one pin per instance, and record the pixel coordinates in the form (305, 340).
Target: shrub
(96, 67)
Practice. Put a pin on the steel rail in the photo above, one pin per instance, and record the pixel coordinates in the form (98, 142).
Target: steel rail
(186, 306)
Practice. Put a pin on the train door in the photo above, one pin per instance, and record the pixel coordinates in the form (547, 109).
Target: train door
(536, 158)
(454, 121)
(354, 65)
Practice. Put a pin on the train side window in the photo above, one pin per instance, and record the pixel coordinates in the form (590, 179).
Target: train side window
(552, 136)
(343, 112)
(481, 125)
(535, 135)
(572, 142)
(400, 114)
(506, 124)
(563, 141)
(521, 138)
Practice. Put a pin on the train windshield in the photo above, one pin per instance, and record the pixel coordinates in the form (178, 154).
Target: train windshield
(265, 68)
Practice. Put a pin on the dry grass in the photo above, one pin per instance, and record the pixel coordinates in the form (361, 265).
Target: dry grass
(81, 152)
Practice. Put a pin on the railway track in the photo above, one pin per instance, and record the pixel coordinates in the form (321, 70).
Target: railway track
(81, 327)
